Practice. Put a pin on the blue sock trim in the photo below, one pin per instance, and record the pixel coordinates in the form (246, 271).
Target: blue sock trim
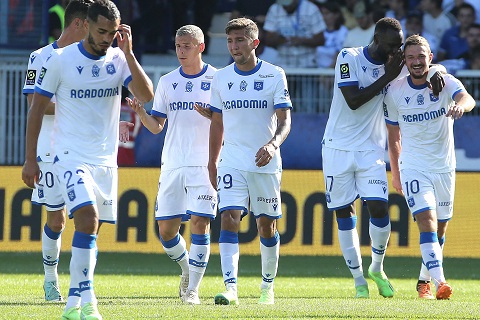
(228, 237)
(270, 242)
(346, 224)
(380, 222)
(171, 243)
(201, 239)
(51, 234)
(75, 292)
(428, 237)
(83, 240)
(441, 241)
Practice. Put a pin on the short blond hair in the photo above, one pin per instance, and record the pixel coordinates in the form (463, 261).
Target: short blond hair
(250, 27)
(193, 31)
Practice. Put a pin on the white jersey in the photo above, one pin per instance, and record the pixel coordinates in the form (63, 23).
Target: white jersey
(35, 63)
(362, 129)
(88, 92)
(186, 141)
(427, 134)
(247, 101)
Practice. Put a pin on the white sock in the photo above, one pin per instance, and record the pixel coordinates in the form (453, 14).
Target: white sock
(424, 274)
(176, 249)
(379, 230)
(270, 251)
(198, 261)
(84, 259)
(51, 243)
(229, 256)
(432, 256)
(74, 298)
(350, 245)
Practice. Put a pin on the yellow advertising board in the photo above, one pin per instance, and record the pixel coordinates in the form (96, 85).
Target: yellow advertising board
(306, 228)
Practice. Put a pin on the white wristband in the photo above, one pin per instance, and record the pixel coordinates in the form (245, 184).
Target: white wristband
(434, 69)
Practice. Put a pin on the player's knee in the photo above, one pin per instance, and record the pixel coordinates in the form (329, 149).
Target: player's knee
(378, 209)
(56, 221)
(199, 225)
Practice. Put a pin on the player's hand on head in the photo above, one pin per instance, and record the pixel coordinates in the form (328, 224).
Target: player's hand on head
(124, 38)
(394, 65)
(206, 112)
(264, 155)
(30, 173)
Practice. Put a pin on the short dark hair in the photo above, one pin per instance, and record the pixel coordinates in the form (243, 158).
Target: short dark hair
(250, 27)
(76, 9)
(385, 24)
(467, 6)
(104, 8)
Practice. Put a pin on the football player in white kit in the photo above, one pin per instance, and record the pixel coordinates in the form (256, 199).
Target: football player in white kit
(422, 155)
(47, 191)
(86, 80)
(251, 116)
(184, 189)
(353, 148)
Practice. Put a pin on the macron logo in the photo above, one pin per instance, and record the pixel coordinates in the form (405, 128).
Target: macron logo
(230, 84)
(79, 69)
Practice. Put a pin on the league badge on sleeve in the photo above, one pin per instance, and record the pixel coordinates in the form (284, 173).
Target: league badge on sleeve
(43, 71)
(30, 78)
(344, 71)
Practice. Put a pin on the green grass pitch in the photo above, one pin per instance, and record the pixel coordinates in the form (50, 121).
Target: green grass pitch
(145, 286)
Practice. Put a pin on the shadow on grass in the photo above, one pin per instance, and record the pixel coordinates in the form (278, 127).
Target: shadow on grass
(289, 266)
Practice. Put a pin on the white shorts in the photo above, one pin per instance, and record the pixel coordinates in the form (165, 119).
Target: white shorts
(238, 189)
(84, 184)
(47, 191)
(184, 192)
(429, 191)
(352, 174)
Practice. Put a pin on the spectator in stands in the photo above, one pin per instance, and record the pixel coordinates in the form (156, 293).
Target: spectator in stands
(466, 60)
(347, 12)
(363, 34)
(295, 28)
(454, 40)
(335, 35)
(435, 20)
(414, 25)
(203, 12)
(255, 10)
(453, 5)
(398, 9)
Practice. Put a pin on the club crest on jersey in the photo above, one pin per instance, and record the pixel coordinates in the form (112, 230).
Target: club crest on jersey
(420, 100)
(95, 71)
(411, 202)
(433, 98)
(344, 71)
(258, 85)
(205, 85)
(375, 73)
(71, 195)
(30, 78)
(243, 85)
(79, 69)
(110, 68)
(43, 71)
(230, 84)
(189, 86)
